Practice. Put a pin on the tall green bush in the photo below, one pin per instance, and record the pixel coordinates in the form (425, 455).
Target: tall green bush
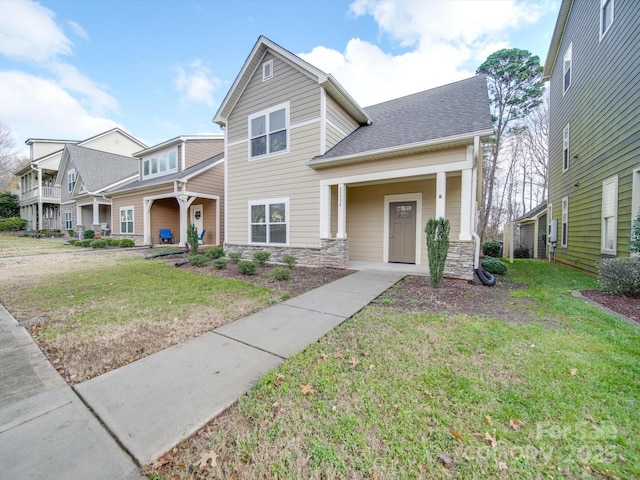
(438, 247)
(634, 244)
(620, 276)
(12, 224)
(491, 248)
(192, 238)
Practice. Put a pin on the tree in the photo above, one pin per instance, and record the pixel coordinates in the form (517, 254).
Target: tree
(8, 157)
(514, 79)
(437, 248)
(9, 205)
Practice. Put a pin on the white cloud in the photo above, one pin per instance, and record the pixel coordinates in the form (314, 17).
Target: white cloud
(28, 32)
(78, 30)
(196, 84)
(441, 42)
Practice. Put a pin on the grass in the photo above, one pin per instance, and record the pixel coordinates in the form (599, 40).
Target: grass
(12, 245)
(399, 395)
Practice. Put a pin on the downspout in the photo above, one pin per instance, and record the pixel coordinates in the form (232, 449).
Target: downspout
(474, 210)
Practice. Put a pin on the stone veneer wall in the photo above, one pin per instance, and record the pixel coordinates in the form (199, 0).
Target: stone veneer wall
(459, 262)
(138, 239)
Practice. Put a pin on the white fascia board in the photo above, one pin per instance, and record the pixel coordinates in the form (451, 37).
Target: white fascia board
(556, 39)
(176, 141)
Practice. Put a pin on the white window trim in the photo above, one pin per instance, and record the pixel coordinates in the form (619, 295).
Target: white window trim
(266, 113)
(403, 197)
(566, 132)
(567, 54)
(68, 220)
(266, 202)
(610, 251)
(635, 199)
(613, 17)
(564, 220)
(267, 70)
(71, 187)
(132, 220)
(157, 156)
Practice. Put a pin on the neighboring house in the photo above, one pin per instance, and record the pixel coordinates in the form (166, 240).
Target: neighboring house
(311, 173)
(533, 231)
(593, 69)
(179, 181)
(40, 197)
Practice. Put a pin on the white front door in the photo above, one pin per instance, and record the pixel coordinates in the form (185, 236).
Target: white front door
(197, 217)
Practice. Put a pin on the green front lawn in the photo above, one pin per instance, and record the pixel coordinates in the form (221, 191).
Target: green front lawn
(391, 395)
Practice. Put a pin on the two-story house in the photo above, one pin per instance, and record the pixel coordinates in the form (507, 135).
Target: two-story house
(179, 181)
(311, 173)
(593, 70)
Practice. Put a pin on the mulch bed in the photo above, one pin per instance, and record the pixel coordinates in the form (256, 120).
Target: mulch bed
(627, 306)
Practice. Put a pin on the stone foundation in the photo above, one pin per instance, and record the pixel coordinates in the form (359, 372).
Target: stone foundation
(138, 239)
(459, 262)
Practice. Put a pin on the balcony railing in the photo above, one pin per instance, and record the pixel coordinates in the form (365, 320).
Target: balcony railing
(48, 192)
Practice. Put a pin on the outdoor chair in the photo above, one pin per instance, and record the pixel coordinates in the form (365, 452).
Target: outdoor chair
(166, 235)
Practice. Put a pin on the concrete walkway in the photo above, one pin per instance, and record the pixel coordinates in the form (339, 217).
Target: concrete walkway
(156, 402)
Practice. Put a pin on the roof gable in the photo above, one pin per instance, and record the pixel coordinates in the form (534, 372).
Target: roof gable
(556, 38)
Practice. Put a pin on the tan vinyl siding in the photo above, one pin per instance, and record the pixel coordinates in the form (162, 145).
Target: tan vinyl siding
(114, 142)
(134, 201)
(339, 123)
(601, 107)
(199, 150)
(210, 182)
(165, 213)
(333, 136)
(41, 149)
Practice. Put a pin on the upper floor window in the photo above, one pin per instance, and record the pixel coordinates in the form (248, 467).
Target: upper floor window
(567, 66)
(72, 176)
(606, 16)
(269, 131)
(160, 164)
(565, 222)
(610, 216)
(267, 70)
(565, 148)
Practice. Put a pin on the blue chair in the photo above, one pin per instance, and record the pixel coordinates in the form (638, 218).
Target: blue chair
(166, 235)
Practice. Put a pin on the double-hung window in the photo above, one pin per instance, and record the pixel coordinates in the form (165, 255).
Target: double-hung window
(610, 216)
(126, 219)
(159, 164)
(567, 67)
(565, 148)
(269, 221)
(565, 222)
(72, 176)
(606, 16)
(269, 131)
(68, 221)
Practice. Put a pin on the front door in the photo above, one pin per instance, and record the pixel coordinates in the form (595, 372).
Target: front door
(402, 232)
(197, 217)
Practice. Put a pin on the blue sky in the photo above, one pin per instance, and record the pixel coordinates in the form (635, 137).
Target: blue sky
(160, 69)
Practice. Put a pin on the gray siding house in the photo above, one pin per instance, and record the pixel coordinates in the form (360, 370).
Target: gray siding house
(593, 70)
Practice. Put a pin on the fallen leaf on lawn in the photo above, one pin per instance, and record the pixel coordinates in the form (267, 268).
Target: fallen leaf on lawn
(516, 424)
(334, 408)
(307, 390)
(204, 460)
(375, 476)
(372, 366)
(175, 477)
(489, 420)
(338, 355)
(446, 460)
(622, 459)
(490, 440)
(164, 460)
(502, 466)
(422, 468)
(354, 361)
(574, 372)
(478, 436)
(456, 434)
(323, 357)
(279, 379)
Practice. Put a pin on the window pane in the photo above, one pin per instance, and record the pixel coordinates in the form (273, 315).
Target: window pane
(258, 146)
(146, 167)
(277, 213)
(163, 163)
(278, 233)
(257, 214)
(278, 141)
(277, 120)
(567, 79)
(154, 165)
(259, 233)
(123, 215)
(172, 160)
(258, 126)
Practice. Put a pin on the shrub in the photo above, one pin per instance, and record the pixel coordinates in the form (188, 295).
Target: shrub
(89, 234)
(620, 276)
(521, 252)
(634, 244)
(71, 233)
(280, 273)
(437, 248)
(219, 262)
(290, 260)
(192, 238)
(98, 243)
(261, 258)
(495, 266)
(84, 243)
(126, 242)
(491, 248)
(235, 257)
(246, 267)
(215, 252)
(198, 260)
(12, 224)
(112, 242)
(72, 241)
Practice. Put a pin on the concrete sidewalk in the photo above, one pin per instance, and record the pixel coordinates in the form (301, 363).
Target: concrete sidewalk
(154, 403)
(46, 432)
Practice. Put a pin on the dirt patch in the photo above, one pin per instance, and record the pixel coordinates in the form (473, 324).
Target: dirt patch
(627, 306)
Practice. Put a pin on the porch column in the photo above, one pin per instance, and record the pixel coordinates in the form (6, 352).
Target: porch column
(96, 214)
(40, 227)
(465, 205)
(78, 215)
(441, 194)
(325, 211)
(183, 202)
(342, 211)
(146, 221)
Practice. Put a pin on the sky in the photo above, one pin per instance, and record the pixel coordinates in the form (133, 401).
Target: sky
(71, 69)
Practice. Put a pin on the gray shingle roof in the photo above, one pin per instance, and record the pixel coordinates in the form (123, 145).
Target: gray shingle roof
(533, 212)
(100, 169)
(449, 110)
(168, 178)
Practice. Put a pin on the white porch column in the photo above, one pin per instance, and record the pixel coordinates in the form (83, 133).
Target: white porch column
(78, 214)
(342, 211)
(40, 227)
(183, 202)
(441, 194)
(325, 211)
(146, 222)
(466, 200)
(96, 213)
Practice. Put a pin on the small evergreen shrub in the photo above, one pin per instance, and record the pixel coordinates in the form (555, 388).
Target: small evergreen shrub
(98, 243)
(634, 244)
(280, 273)
(198, 260)
(73, 241)
(437, 248)
(235, 257)
(192, 238)
(112, 242)
(126, 242)
(261, 258)
(12, 224)
(521, 252)
(89, 234)
(620, 276)
(215, 252)
(290, 260)
(219, 262)
(495, 266)
(246, 267)
(84, 243)
(71, 233)
(491, 248)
